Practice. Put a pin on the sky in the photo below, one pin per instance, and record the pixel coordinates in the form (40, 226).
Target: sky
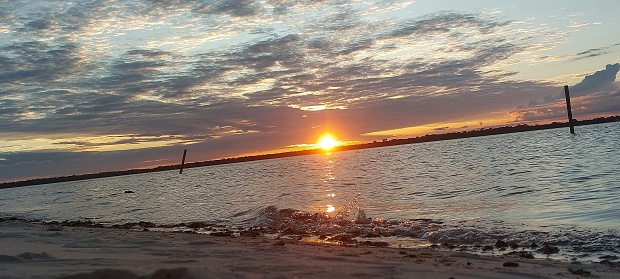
(92, 86)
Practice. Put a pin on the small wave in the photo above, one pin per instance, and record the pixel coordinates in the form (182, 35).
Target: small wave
(353, 227)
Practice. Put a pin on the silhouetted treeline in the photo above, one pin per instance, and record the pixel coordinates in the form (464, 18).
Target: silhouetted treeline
(386, 142)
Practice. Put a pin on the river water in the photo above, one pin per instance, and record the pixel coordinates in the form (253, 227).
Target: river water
(529, 189)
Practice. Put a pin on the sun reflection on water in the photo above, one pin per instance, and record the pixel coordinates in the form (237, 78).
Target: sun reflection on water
(328, 181)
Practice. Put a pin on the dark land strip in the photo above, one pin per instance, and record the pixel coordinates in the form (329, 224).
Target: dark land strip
(386, 142)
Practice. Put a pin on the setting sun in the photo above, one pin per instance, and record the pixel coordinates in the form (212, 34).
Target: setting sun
(327, 142)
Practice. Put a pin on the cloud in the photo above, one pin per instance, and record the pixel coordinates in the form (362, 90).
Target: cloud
(594, 52)
(238, 8)
(601, 81)
(595, 94)
(297, 63)
(145, 90)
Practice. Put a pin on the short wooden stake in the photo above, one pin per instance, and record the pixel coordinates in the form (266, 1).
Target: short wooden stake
(569, 110)
(183, 161)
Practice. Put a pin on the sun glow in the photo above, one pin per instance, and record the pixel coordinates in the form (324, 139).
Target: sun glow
(327, 142)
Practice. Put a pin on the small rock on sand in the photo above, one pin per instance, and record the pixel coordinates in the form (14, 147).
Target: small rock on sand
(511, 264)
(176, 273)
(102, 274)
(32, 256)
(580, 272)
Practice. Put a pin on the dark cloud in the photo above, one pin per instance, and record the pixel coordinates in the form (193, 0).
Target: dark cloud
(37, 62)
(590, 51)
(602, 80)
(594, 52)
(39, 24)
(442, 23)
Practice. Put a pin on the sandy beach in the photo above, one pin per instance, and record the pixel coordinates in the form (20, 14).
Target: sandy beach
(31, 250)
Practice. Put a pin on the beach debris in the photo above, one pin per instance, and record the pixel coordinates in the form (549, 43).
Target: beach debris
(501, 244)
(548, 249)
(295, 231)
(375, 243)
(55, 228)
(129, 192)
(371, 234)
(135, 225)
(79, 223)
(252, 232)
(7, 258)
(33, 256)
(609, 257)
(610, 263)
(175, 273)
(105, 273)
(520, 254)
(511, 264)
(12, 218)
(222, 234)
(197, 225)
(344, 238)
(580, 272)
(279, 243)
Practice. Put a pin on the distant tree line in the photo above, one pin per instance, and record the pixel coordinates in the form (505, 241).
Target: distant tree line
(425, 138)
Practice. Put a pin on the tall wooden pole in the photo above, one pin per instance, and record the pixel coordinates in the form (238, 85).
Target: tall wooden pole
(183, 161)
(569, 110)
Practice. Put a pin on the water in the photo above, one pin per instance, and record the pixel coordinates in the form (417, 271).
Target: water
(542, 187)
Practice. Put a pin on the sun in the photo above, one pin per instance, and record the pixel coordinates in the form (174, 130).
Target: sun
(327, 142)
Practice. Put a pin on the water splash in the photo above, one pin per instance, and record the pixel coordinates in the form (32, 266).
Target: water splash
(352, 227)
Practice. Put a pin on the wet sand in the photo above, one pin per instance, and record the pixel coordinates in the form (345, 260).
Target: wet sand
(30, 250)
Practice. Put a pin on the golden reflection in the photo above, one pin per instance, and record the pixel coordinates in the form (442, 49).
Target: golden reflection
(329, 203)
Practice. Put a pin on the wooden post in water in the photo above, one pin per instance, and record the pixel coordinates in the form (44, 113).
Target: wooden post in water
(569, 110)
(183, 161)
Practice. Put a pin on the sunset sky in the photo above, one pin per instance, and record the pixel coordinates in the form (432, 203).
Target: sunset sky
(90, 86)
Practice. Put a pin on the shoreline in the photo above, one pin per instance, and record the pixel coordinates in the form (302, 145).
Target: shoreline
(392, 142)
(33, 250)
